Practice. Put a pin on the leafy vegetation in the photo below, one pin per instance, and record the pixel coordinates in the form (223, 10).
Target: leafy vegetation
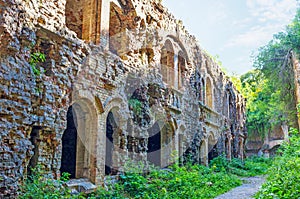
(270, 87)
(284, 176)
(35, 58)
(189, 181)
(38, 186)
(252, 166)
(135, 105)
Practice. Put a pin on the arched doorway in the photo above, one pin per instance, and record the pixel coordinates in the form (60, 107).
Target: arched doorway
(212, 147)
(154, 145)
(111, 128)
(79, 141)
(69, 146)
(203, 153)
(167, 144)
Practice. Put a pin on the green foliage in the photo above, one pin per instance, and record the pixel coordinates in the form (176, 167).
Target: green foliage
(284, 176)
(38, 186)
(135, 105)
(250, 167)
(35, 58)
(264, 106)
(189, 181)
(270, 88)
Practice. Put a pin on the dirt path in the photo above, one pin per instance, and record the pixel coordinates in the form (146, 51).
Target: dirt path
(247, 190)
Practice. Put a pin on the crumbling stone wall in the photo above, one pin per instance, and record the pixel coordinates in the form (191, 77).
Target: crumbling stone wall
(130, 100)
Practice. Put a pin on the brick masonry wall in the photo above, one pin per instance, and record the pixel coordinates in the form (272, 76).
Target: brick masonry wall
(98, 81)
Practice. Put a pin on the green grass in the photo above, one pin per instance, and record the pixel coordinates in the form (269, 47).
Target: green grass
(252, 166)
(189, 181)
(193, 181)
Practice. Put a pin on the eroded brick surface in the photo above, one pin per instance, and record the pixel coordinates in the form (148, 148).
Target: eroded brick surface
(139, 85)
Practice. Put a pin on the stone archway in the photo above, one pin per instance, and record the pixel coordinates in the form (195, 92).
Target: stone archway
(212, 147)
(180, 139)
(167, 144)
(154, 145)
(112, 146)
(69, 143)
(79, 141)
(203, 153)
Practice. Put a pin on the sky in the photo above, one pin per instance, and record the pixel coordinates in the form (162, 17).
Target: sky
(233, 29)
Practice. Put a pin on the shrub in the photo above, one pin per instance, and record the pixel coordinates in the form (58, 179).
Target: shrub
(38, 186)
(284, 176)
(249, 167)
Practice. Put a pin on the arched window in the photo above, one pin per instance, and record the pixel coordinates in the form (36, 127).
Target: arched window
(121, 18)
(116, 29)
(83, 17)
(202, 90)
(209, 94)
(181, 68)
(167, 63)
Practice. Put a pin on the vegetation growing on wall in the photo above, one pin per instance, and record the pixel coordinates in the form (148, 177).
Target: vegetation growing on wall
(35, 58)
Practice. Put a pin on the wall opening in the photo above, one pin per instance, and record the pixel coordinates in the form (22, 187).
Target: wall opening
(203, 90)
(181, 68)
(117, 27)
(111, 127)
(34, 139)
(154, 145)
(69, 146)
(203, 153)
(212, 148)
(167, 144)
(167, 63)
(180, 149)
(84, 18)
(78, 141)
(209, 94)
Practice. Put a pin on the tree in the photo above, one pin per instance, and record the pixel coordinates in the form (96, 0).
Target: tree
(270, 88)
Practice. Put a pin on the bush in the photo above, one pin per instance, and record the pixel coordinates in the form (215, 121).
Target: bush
(192, 181)
(189, 181)
(284, 176)
(250, 167)
(38, 186)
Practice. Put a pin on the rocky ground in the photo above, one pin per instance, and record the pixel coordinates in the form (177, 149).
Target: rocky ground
(250, 186)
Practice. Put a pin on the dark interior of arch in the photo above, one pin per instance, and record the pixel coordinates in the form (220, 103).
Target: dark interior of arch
(154, 145)
(111, 126)
(69, 144)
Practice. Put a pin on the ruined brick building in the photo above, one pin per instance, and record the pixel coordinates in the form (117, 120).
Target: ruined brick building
(121, 80)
